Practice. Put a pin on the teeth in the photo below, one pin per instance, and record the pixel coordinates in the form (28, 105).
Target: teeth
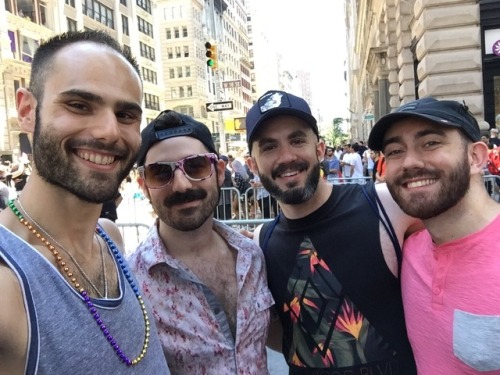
(288, 174)
(420, 183)
(96, 158)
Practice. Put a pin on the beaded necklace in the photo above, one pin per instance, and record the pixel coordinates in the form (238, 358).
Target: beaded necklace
(83, 273)
(86, 298)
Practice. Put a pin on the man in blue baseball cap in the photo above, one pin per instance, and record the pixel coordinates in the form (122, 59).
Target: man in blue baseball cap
(332, 256)
(450, 279)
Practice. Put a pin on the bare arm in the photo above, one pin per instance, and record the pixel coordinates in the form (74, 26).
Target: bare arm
(403, 225)
(13, 325)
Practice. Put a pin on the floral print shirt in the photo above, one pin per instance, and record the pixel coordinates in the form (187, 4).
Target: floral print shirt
(192, 324)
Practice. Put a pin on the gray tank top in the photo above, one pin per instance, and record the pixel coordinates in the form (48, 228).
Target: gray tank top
(64, 337)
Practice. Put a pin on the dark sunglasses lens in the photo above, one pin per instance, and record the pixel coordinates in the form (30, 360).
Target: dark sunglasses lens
(198, 167)
(158, 175)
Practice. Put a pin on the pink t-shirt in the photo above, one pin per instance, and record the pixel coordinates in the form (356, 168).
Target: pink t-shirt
(451, 296)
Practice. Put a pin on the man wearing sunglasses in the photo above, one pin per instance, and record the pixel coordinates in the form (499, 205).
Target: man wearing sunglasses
(206, 282)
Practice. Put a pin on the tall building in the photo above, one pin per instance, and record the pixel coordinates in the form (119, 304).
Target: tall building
(401, 50)
(191, 85)
(25, 23)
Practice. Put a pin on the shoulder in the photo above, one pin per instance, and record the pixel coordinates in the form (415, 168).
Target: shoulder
(403, 224)
(113, 232)
(12, 316)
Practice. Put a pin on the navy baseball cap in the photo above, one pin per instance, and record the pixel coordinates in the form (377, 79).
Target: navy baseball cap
(274, 103)
(171, 124)
(448, 113)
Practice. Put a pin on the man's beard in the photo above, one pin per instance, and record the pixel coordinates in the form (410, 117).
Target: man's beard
(454, 185)
(56, 169)
(295, 194)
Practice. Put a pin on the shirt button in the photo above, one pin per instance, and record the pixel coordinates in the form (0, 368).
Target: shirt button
(437, 290)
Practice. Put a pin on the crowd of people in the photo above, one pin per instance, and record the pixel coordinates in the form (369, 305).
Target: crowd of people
(242, 195)
(399, 276)
(352, 163)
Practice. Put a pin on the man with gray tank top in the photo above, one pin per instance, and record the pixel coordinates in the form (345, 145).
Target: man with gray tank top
(70, 305)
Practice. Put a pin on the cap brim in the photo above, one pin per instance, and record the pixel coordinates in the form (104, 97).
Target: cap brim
(376, 137)
(281, 112)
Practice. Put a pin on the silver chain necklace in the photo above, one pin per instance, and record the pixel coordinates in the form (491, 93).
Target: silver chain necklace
(84, 274)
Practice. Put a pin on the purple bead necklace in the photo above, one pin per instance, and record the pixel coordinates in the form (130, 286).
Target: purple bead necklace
(86, 298)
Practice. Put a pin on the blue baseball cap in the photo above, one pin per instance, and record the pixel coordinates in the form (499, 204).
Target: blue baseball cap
(275, 103)
(448, 113)
(171, 124)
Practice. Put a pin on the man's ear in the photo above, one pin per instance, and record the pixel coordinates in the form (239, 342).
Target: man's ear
(320, 150)
(253, 165)
(478, 157)
(143, 187)
(26, 110)
(221, 168)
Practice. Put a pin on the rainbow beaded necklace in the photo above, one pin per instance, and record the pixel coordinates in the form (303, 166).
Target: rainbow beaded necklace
(86, 298)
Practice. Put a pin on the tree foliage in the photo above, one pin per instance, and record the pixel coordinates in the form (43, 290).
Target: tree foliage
(335, 136)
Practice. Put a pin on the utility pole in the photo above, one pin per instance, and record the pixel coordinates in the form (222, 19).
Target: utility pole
(213, 32)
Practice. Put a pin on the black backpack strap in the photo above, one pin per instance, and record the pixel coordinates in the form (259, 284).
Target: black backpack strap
(384, 219)
(268, 229)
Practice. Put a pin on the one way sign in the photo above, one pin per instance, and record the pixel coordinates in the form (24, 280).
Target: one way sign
(219, 106)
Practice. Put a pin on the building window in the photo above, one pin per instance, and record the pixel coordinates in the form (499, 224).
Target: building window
(71, 3)
(170, 54)
(176, 32)
(152, 102)
(184, 31)
(71, 24)
(147, 51)
(123, 2)
(172, 73)
(188, 71)
(125, 25)
(185, 110)
(145, 27)
(149, 75)
(99, 12)
(186, 51)
(173, 93)
(181, 92)
(179, 72)
(190, 91)
(169, 34)
(127, 49)
(145, 4)
(28, 48)
(178, 52)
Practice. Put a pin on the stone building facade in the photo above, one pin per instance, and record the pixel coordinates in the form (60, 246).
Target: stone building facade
(401, 50)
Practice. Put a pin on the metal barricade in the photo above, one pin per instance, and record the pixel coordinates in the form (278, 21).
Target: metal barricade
(245, 218)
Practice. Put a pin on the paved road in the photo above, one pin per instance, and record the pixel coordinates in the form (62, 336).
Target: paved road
(276, 363)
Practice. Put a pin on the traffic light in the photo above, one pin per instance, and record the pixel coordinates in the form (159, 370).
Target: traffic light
(211, 53)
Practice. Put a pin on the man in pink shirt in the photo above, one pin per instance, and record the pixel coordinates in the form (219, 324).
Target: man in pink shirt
(207, 283)
(451, 270)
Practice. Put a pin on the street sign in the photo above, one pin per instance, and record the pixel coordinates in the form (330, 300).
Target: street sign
(369, 117)
(219, 106)
(231, 84)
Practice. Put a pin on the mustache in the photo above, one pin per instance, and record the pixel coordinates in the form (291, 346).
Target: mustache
(282, 168)
(187, 196)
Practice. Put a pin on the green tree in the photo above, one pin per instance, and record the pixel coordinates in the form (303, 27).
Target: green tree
(335, 135)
